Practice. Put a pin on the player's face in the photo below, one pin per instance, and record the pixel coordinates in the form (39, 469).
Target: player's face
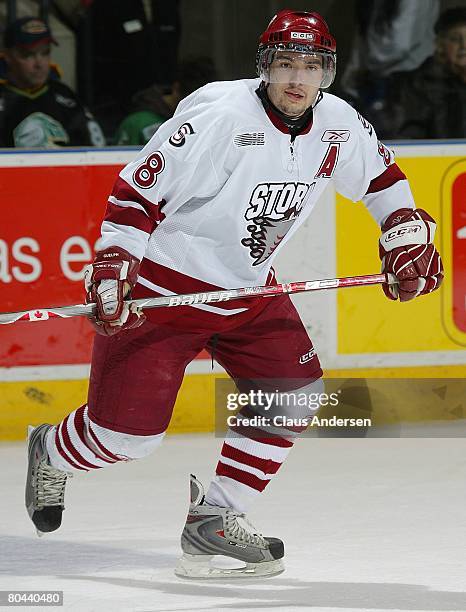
(453, 47)
(28, 68)
(294, 82)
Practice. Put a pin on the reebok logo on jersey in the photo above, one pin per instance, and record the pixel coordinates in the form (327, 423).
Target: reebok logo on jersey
(273, 209)
(179, 137)
(335, 136)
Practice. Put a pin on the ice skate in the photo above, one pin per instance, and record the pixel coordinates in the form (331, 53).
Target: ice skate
(45, 485)
(222, 543)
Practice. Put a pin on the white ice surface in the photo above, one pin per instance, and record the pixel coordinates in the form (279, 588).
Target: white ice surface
(368, 524)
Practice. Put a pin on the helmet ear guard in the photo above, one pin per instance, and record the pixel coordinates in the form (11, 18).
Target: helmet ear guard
(298, 32)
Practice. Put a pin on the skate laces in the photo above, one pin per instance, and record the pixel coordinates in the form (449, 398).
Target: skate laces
(240, 528)
(50, 489)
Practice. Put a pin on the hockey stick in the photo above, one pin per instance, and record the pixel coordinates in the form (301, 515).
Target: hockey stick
(192, 299)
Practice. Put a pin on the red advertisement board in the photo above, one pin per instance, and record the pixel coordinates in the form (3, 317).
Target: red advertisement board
(459, 251)
(50, 221)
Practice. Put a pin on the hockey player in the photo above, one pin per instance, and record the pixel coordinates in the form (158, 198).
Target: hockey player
(207, 204)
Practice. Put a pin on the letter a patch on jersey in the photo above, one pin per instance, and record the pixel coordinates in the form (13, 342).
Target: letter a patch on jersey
(327, 167)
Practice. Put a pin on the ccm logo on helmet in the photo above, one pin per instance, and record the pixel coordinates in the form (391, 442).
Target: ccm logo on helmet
(302, 35)
(402, 231)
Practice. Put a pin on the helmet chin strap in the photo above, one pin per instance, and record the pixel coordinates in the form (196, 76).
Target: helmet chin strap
(294, 124)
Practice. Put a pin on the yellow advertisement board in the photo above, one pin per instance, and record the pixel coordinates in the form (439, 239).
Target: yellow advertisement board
(370, 323)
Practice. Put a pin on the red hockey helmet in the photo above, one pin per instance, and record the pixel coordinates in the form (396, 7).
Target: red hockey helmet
(299, 32)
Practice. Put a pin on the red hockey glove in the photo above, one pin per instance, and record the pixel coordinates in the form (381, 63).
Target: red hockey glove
(406, 250)
(108, 280)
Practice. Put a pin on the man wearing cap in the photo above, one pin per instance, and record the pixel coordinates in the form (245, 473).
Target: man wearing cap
(433, 98)
(36, 108)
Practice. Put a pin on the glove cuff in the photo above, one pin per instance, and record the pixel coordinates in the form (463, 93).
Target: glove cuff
(115, 263)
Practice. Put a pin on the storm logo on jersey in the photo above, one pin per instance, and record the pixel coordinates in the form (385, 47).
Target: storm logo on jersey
(273, 209)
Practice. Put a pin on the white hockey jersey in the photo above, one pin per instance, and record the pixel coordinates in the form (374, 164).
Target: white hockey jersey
(221, 188)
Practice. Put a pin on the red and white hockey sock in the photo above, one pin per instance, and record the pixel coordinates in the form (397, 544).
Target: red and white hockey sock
(70, 448)
(251, 455)
(78, 444)
(245, 468)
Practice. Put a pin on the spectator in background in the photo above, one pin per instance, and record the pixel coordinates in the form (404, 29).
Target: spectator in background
(36, 108)
(394, 36)
(433, 98)
(151, 107)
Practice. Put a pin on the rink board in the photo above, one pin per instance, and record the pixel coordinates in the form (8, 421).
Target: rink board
(357, 332)
(435, 324)
(33, 402)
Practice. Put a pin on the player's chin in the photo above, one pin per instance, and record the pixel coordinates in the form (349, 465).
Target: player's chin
(296, 110)
(293, 107)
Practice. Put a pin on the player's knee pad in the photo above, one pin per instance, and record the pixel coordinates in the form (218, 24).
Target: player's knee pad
(123, 445)
(299, 406)
(308, 399)
(298, 403)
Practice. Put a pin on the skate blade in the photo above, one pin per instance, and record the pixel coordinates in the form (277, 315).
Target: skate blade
(210, 567)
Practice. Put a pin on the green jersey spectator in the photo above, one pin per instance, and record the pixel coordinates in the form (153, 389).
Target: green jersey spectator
(152, 107)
